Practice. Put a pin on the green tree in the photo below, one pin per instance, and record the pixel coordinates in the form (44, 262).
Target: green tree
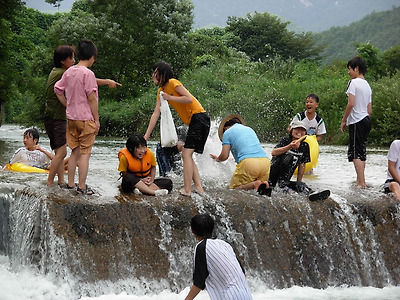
(55, 3)
(371, 55)
(262, 36)
(7, 73)
(131, 36)
(391, 58)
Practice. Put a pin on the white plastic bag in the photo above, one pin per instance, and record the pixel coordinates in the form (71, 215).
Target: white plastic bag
(169, 137)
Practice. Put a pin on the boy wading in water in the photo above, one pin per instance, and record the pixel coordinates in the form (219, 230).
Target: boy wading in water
(357, 116)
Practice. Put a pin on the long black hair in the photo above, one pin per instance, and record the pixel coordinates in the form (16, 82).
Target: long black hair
(164, 72)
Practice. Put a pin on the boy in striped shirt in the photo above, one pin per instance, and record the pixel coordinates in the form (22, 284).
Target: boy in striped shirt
(216, 267)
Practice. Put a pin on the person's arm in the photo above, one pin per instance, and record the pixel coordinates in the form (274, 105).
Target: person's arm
(48, 154)
(62, 99)
(223, 155)
(111, 83)
(369, 108)
(349, 107)
(284, 149)
(300, 172)
(194, 291)
(153, 120)
(150, 179)
(319, 137)
(392, 170)
(94, 107)
(185, 96)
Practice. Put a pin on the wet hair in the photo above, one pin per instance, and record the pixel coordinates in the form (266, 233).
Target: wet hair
(62, 53)
(164, 72)
(135, 141)
(357, 61)
(33, 132)
(313, 96)
(86, 49)
(202, 225)
(232, 122)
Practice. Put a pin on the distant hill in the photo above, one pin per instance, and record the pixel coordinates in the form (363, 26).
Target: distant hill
(304, 15)
(308, 15)
(381, 29)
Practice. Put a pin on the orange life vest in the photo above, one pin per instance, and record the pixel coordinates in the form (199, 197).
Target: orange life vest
(141, 168)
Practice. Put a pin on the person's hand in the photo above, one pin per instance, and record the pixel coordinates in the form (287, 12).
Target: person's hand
(97, 122)
(214, 157)
(113, 84)
(147, 180)
(294, 145)
(343, 126)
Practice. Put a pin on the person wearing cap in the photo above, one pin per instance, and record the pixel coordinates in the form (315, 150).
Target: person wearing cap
(292, 152)
(252, 169)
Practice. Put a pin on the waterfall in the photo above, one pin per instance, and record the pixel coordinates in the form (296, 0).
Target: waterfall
(142, 244)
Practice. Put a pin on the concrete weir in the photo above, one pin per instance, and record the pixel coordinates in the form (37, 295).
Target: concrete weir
(282, 240)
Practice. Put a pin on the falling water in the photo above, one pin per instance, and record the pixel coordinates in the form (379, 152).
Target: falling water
(140, 247)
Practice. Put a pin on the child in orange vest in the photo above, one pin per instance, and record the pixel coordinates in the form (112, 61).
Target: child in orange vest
(137, 165)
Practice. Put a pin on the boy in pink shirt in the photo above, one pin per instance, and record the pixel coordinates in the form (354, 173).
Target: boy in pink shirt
(77, 91)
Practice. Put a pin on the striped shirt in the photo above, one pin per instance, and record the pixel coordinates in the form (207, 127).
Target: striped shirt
(217, 269)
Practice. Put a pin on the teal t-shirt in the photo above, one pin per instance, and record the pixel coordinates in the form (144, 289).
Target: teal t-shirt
(243, 141)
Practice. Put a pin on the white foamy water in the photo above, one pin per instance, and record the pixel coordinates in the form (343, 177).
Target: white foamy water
(333, 172)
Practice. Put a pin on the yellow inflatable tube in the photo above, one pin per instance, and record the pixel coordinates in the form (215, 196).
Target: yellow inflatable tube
(18, 167)
(311, 140)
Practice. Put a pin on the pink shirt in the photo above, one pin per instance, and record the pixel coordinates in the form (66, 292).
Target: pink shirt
(77, 83)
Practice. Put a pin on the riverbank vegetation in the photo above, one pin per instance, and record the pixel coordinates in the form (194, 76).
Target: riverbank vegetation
(254, 66)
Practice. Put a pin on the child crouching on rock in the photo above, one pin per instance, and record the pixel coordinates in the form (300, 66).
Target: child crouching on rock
(137, 165)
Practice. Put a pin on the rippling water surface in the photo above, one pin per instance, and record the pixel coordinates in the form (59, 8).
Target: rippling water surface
(333, 172)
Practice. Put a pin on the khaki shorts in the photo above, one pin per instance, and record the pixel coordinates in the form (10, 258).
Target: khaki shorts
(81, 134)
(249, 170)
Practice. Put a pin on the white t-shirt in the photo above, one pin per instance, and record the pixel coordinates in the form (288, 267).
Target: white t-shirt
(362, 92)
(394, 156)
(313, 126)
(33, 158)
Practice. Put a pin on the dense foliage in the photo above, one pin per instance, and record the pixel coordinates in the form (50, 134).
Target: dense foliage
(255, 66)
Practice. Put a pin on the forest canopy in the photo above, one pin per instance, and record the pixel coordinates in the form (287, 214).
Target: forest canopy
(254, 66)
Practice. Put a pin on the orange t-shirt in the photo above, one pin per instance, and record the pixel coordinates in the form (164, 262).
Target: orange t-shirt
(184, 110)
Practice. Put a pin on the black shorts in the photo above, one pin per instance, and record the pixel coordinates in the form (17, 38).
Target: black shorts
(358, 135)
(198, 131)
(56, 131)
(130, 180)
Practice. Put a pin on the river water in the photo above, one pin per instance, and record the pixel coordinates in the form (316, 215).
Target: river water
(333, 172)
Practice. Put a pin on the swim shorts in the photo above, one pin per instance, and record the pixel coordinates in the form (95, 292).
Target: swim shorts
(358, 135)
(249, 170)
(197, 134)
(56, 131)
(81, 134)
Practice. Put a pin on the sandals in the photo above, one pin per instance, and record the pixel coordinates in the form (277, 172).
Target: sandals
(316, 196)
(86, 191)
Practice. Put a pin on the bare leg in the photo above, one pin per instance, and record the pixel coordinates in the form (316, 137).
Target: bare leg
(394, 187)
(72, 163)
(360, 168)
(57, 166)
(251, 185)
(190, 173)
(147, 189)
(83, 169)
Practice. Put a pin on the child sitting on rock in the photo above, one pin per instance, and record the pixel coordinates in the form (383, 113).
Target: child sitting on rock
(137, 165)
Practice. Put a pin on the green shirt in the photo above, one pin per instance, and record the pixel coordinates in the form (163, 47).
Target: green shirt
(54, 109)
